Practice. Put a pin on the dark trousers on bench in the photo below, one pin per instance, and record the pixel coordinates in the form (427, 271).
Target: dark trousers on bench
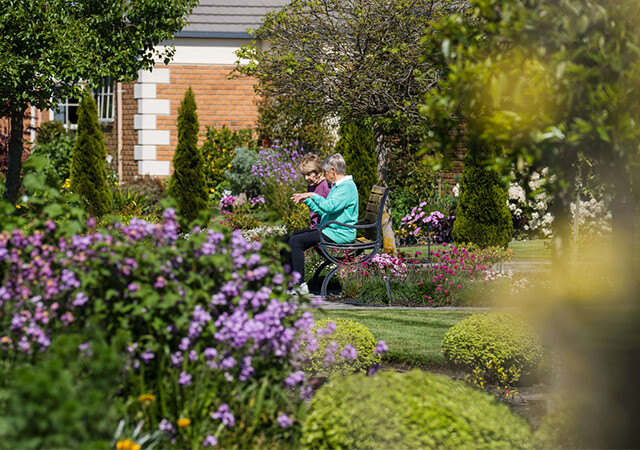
(299, 242)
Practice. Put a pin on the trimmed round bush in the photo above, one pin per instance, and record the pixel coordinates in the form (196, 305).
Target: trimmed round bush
(344, 346)
(409, 410)
(499, 337)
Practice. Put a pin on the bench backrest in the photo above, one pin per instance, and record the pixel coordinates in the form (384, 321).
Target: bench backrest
(375, 207)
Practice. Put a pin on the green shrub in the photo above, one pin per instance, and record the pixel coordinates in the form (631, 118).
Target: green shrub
(328, 360)
(59, 154)
(49, 131)
(218, 151)
(152, 189)
(357, 147)
(503, 338)
(88, 170)
(240, 176)
(188, 185)
(65, 399)
(483, 216)
(409, 410)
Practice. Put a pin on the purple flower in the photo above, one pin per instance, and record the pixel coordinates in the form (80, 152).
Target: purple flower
(210, 441)
(176, 359)
(184, 344)
(81, 299)
(349, 352)
(193, 355)
(165, 425)
(381, 347)
(284, 421)
(133, 287)
(147, 356)
(210, 353)
(295, 378)
(185, 379)
(225, 415)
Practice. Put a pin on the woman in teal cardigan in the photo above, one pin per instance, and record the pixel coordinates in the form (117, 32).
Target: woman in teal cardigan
(341, 205)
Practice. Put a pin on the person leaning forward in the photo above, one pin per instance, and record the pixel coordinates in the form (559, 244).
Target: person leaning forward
(341, 205)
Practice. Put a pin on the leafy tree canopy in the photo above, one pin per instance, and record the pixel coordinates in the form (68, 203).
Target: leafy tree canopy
(48, 46)
(354, 59)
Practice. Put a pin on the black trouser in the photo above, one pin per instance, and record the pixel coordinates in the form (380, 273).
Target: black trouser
(300, 241)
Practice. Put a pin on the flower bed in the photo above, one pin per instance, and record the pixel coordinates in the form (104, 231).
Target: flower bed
(445, 279)
(213, 334)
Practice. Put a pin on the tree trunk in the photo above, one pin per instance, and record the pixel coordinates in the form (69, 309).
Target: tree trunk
(14, 160)
(382, 153)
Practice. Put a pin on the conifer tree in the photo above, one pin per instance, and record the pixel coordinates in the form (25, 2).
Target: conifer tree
(358, 150)
(88, 170)
(482, 217)
(188, 183)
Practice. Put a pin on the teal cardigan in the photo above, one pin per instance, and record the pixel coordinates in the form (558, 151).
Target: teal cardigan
(340, 205)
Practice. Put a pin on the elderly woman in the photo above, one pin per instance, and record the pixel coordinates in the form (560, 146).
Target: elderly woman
(341, 205)
(311, 169)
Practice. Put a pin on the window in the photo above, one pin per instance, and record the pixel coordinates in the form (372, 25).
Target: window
(67, 111)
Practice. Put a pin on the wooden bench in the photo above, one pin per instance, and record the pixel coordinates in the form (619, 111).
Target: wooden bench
(372, 240)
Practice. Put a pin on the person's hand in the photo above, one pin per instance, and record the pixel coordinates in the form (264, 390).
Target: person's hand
(297, 198)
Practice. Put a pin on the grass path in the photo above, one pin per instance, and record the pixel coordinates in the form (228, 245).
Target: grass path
(413, 335)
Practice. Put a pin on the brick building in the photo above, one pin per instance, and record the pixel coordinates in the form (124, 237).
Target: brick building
(139, 118)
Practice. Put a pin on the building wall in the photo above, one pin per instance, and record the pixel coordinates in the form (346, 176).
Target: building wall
(152, 111)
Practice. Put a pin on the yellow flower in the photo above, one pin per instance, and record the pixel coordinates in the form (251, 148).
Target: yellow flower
(127, 444)
(212, 190)
(146, 398)
(115, 182)
(223, 150)
(184, 422)
(213, 170)
(229, 165)
(18, 206)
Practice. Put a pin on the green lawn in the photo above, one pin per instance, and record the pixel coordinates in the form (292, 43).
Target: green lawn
(534, 249)
(413, 335)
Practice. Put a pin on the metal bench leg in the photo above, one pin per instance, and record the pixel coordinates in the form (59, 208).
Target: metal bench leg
(325, 282)
(316, 275)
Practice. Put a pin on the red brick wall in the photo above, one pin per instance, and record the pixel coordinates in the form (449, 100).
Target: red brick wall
(129, 135)
(220, 101)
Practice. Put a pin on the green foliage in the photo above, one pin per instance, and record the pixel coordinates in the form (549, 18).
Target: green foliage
(49, 131)
(499, 337)
(218, 151)
(66, 398)
(412, 181)
(88, 172)
(375, 291)
(409, 410)
(240, 176)
(44, 204)
(58, 149)
(327, 359)
(482, 217)
(294, 216)
(241, 221)
(356, 145)
(188, 184)
(279, 122)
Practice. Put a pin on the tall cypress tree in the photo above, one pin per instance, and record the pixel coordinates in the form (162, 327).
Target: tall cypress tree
(356, 145)
(88, 171)
(188, 184)
(482, 216)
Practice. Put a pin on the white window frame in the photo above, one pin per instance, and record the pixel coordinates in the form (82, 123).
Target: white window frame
(104, 96)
